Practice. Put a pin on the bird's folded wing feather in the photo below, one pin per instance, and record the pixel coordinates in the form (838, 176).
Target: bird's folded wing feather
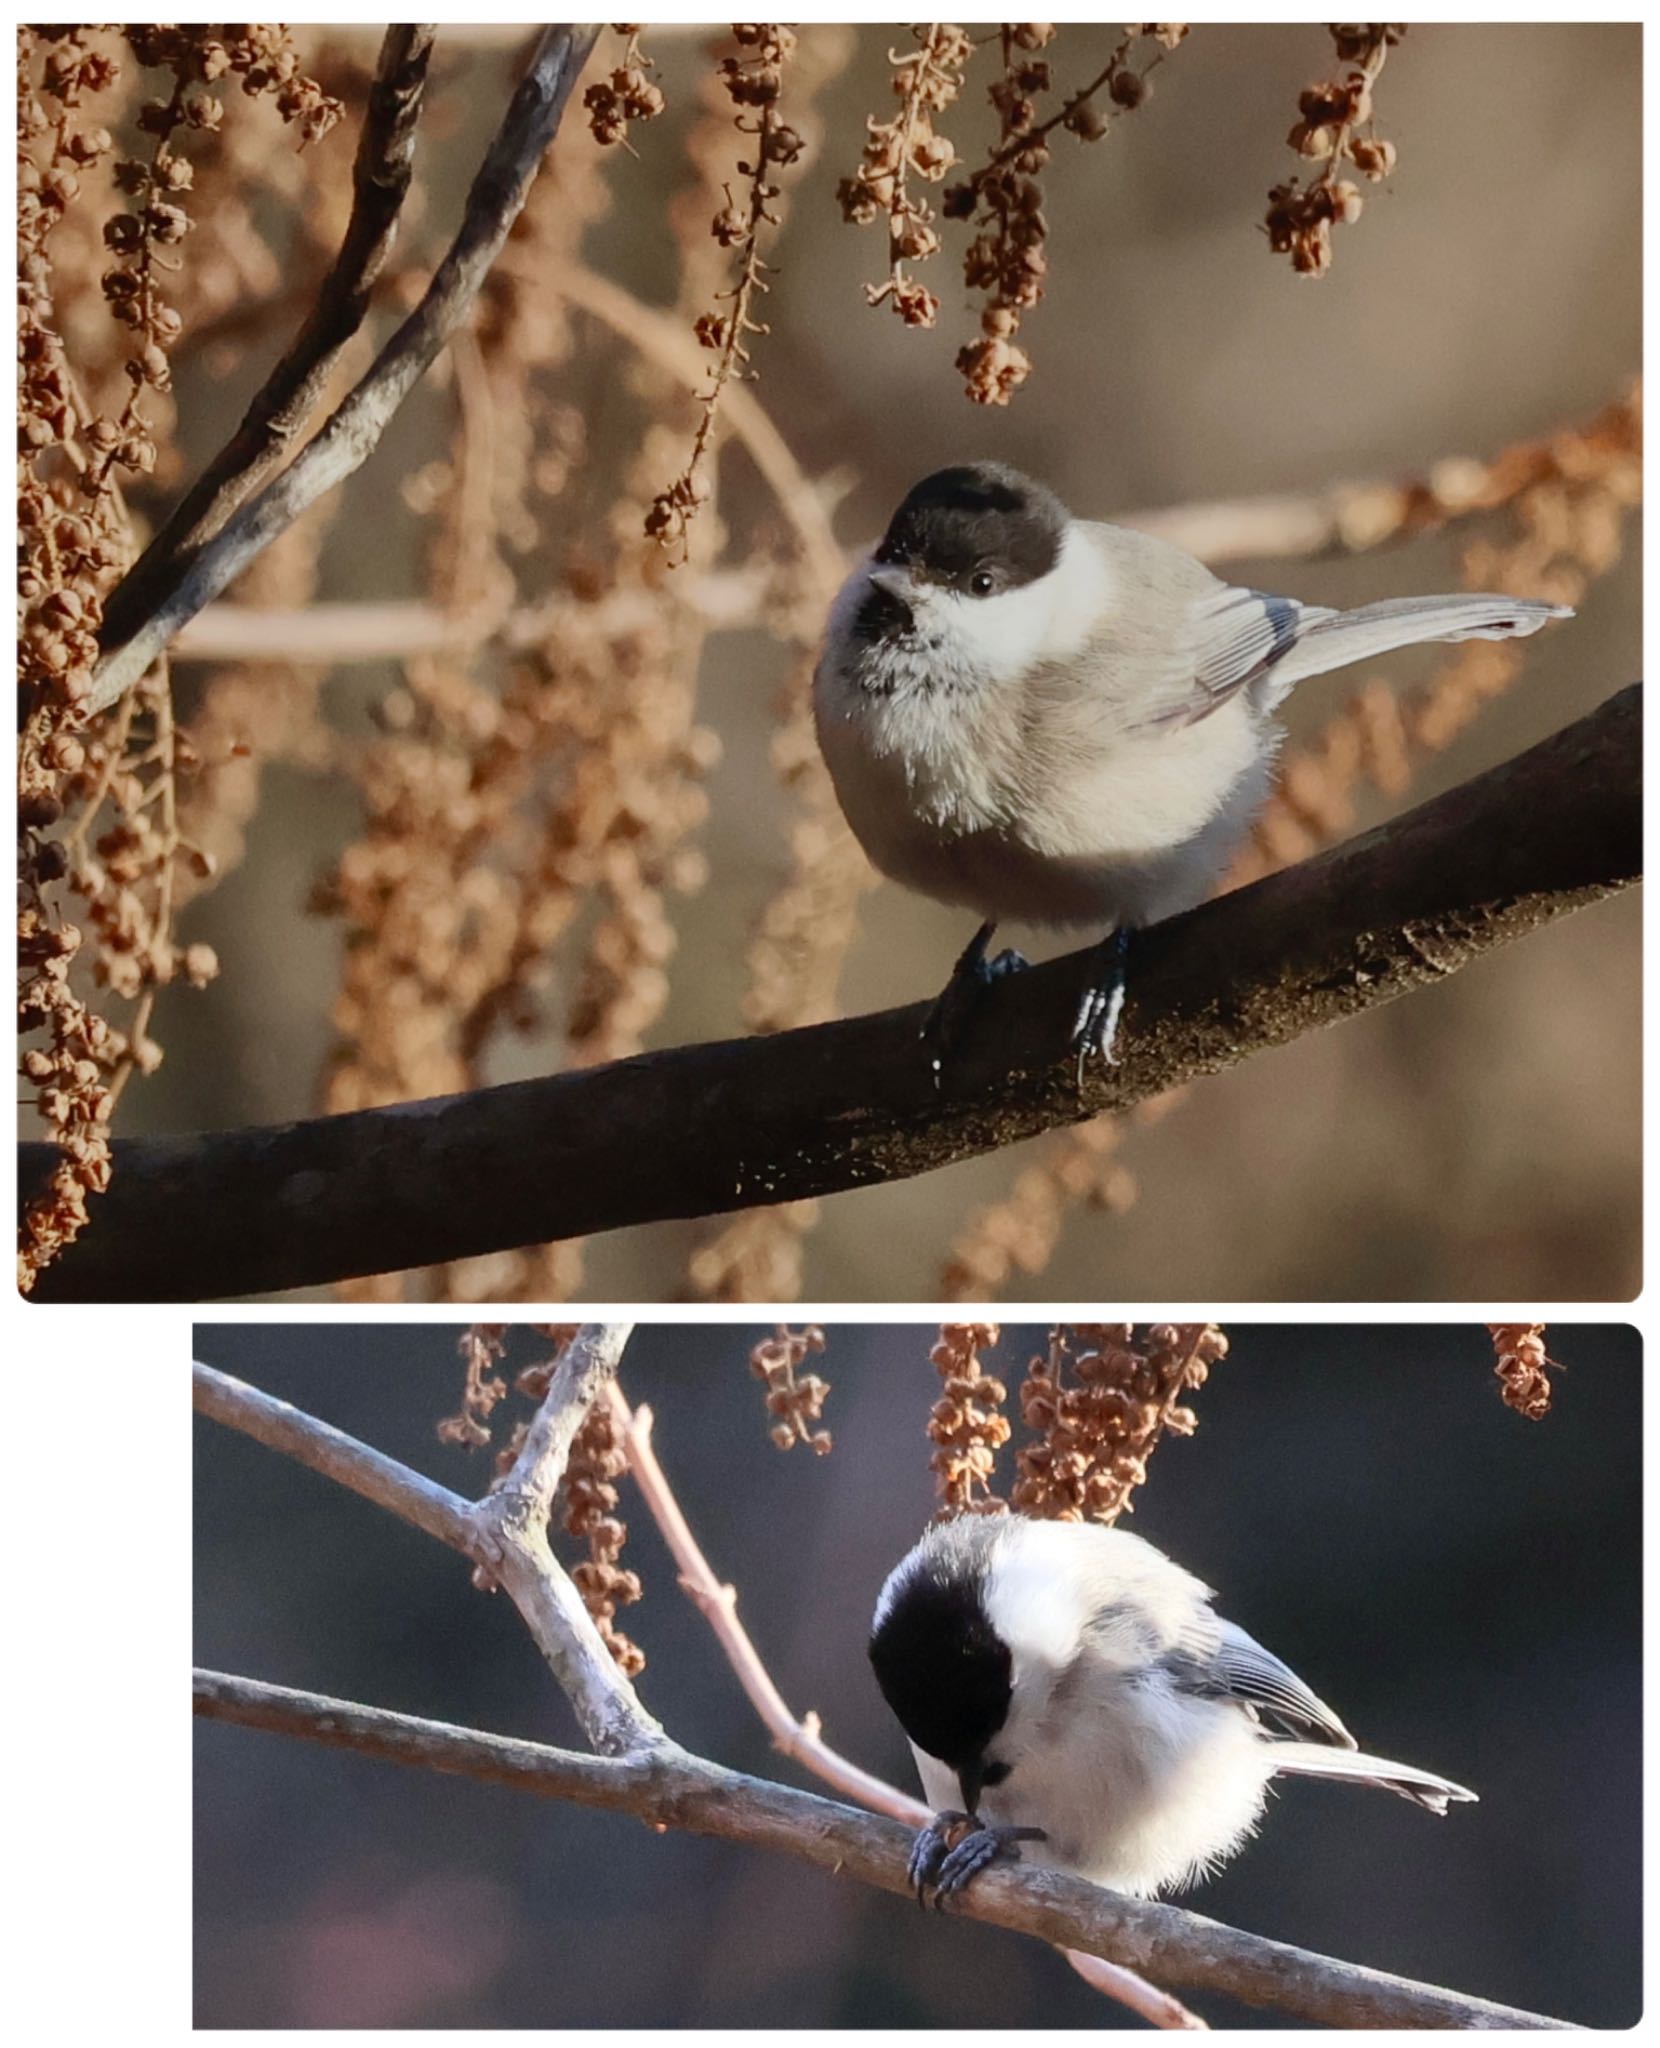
(1249, 640)
(1216, 1660)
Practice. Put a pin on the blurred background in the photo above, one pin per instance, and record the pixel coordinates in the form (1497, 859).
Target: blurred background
(1479, 1140)
(1461, 1584)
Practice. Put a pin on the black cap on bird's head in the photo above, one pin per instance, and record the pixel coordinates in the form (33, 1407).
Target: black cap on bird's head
(979, 528)
(942, 1667)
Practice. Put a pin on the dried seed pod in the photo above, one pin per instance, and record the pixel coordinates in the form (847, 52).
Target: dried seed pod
(1523, 1367)
(794, 1400)
(752, 80)
(1300, 218)
(1099, 1403)
(967, 1425)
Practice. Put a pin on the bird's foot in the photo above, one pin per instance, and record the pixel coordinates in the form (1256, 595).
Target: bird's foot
(954, 1848)
(1095, 1030)
(956, 1003)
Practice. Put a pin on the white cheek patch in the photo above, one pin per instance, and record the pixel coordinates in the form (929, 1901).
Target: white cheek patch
(1002, 635)
(1011, 631)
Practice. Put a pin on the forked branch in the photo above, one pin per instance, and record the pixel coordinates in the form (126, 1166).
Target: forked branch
(643, 1773)
(279, 410)
(352, 432)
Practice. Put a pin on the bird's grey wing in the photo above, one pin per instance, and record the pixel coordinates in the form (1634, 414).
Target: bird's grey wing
(1248, 640)
(1235, 640)
(1216, 1660)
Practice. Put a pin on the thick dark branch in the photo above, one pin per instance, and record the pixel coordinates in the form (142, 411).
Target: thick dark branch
(706, 1129)
(351, 434)
(670, 1787)
(380, 180)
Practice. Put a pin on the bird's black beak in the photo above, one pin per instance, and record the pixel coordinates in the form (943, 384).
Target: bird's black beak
(971, 1778)
(884, 612)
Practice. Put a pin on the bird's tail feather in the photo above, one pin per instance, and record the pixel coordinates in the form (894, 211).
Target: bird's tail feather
(1315, 1760)
(1331, 639)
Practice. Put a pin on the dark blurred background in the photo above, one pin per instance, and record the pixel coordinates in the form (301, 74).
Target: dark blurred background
(1489, 1144)
(1462, 1585)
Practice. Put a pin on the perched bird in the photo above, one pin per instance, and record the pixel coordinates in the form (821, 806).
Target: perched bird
(1039, 717)
(1074, 1689)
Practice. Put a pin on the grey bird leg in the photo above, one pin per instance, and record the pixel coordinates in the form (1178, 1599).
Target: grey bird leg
(1096, 1027)
(955, 1004)
(946, 1870)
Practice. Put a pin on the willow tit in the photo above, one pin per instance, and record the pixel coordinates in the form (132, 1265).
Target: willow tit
(1075, 1689)
(1034, 716)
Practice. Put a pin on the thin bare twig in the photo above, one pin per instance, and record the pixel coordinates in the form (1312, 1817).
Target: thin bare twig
(799, 1737)
(723, 600)
(354, 429)
(1348, 518)
(669, 1787)
(380, 181)
(793, 1736)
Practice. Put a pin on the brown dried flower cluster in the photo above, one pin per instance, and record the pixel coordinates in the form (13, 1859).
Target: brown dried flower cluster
(481, 1349)
(1336, 125)
(1022, 1230)
(529, 822)
(1521, 1362)
(795, 1400)
(967, 1426)
(511, 816)
(926, 79)
(110, 783)
(67, 552)
(626, 94)
(754, 81)
(596, 1463)
(1008, 259)
(1100, 1404)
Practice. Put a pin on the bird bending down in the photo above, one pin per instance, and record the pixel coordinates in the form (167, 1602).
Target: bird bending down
(1073, 1688)
(1039, 717)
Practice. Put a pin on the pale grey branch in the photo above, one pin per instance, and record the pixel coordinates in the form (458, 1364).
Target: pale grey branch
(502, 1533)
(669, 1787)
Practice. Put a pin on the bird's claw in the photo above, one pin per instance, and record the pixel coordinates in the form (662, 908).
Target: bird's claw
(956, 1003)
(1095, 1029)
(929, 1851)
(954, 1848)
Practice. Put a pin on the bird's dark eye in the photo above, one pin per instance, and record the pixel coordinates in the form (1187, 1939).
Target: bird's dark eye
(994, 1774)
(982, 583)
